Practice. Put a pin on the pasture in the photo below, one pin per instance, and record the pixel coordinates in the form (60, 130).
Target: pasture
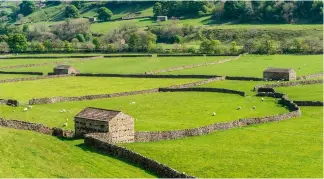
(127, 65)
(157, 111)
(32, 155)
(253, 65)
(79, 86)
(291, 148)
(303, 92)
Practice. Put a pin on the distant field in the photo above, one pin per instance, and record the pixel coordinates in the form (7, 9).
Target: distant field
(303, 92)
(253, 65)
(128, 65)
(77, 86)
(27, 154)
(286, 149)
(11, 62)
(157, 111)
(105, 27)
(10, 76)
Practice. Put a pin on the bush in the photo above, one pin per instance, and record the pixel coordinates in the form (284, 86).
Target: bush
(104, 14)
(80, 37)
(4, 48)
(71, 12)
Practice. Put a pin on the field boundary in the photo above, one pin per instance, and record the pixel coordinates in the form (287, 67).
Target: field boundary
(21, 73)
(218, 90)
(309, 103)
(77, 56)
(316, 75)
(143, 75)
(36, 127)
(11, 80)
(193, 66)
(135, 158)
(291, 83)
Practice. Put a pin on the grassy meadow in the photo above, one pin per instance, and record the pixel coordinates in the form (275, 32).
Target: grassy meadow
(127, 64)
(285, 149)
(253, 65)
(312, 92)
(26, 154)
(78, 86)
(12, 62)
(157, 111)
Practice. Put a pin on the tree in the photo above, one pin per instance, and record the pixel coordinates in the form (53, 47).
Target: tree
(133, 42)
(25, 28)
(36, 47)
(233, 9)
(27, 7)
(96, 43)
(71, 12)
(80, 37)
(157, 9)
(4, 48)
(17, 42)
(77, 4)
(104, 14)
(211, 46)
(234, 48)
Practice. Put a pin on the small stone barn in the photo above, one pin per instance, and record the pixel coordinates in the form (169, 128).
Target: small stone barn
(64, 70)
(92, 19)
(279, 74)
(162, 18)
(118, 126)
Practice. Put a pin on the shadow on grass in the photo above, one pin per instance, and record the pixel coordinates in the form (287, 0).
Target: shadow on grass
(91, 149)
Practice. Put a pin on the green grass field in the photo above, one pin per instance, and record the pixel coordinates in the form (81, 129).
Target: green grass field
(78, 86)
(286, 149)
(253, 65)
(11, 76)
(11, 62)
(26, 154)
(158, 111)
(127, 65)
(312, 92)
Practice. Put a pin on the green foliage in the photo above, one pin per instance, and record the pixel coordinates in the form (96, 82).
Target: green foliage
(211, 47)
(36, 47)
(104, 14)
(71, 12)
(157, 9)
(80, 37)
(27, 7)
(4, 48)
(96, 43)
(17, 42)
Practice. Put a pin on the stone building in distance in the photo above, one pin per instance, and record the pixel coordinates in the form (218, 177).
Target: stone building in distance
(116, 126)
(161, 18)
(287, 74)
(64, 70)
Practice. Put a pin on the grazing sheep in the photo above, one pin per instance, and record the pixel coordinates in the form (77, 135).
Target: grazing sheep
(30, 107)
(253, 107)
(262, 99)
(63, 110)
(14, 111)
(238, 108)
(214, 113)
(278, 81)
(25, 109)
(132, 102)
(65, 124)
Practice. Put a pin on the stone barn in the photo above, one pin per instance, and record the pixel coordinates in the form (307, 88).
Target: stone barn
(162, 18)
(64, 70)
(92, 19)
(279, 74)
(118, 126)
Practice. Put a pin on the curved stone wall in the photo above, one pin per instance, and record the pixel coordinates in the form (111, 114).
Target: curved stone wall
(32, 78)
(218, 90)
(291, 83)
(317, 75)
(309, 103)
(151, 165)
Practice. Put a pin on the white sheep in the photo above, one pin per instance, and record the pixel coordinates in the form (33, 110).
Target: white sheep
(238, 108)
(65, 124)
(30, 106)
(63, 110)
(132, 102)
(25, 109)
(14, 111)
(278, 81)
(262, 99)
(214, 113)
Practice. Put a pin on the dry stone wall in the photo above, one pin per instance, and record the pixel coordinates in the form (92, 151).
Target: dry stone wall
(193, 66)
(21, 73)
(291, 83)
(218, 90)
(145, 75)
(32, 78)
(130, 156)
(40, 128)
(243, 78)
(317, 75)
(309, 103)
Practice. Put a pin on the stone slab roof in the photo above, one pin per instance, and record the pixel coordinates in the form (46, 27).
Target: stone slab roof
(280, 70)
(97, 114)
(63, 67)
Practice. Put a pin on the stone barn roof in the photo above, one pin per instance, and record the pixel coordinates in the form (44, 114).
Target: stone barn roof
(279, 70)
(63, 67)
(97, 114)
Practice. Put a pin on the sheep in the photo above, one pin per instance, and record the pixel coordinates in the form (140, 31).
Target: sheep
(214, 113)
(132, 102)
(65, 124)
(63, 110)
(25, 109)
(238, 108)
(14, 111)
(262, 99)
(278, 81)
(253, 107)
(30, 107)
